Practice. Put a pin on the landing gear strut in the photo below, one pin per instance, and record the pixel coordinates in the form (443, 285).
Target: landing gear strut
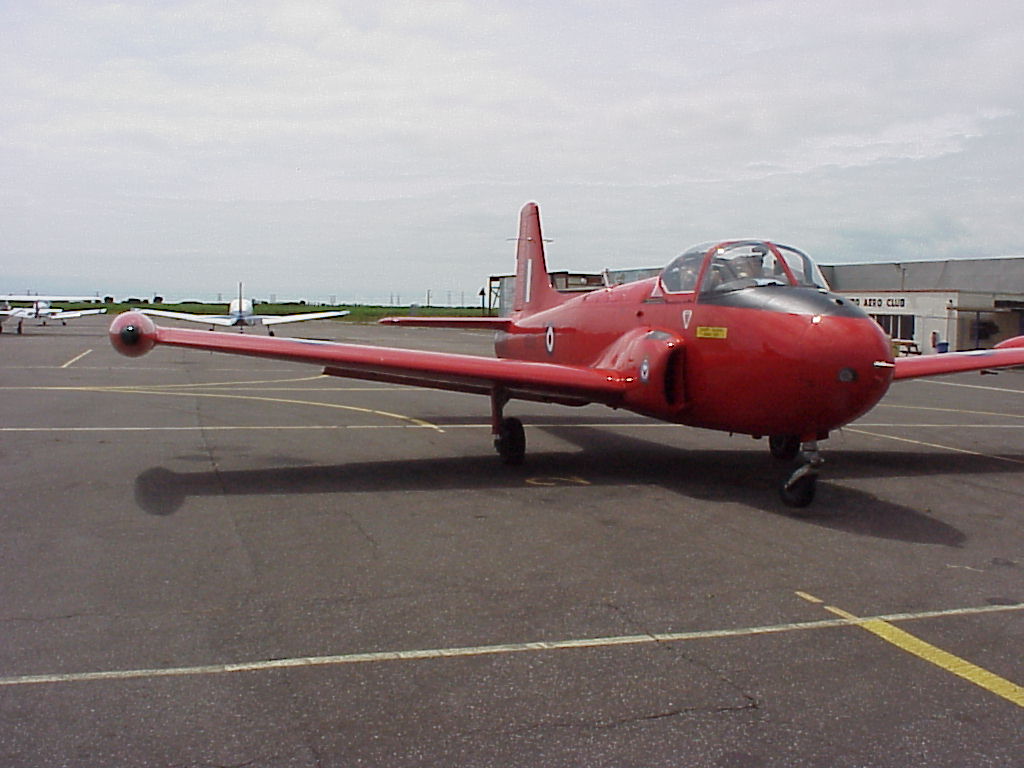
(798, 490)
(509, 436)
(784, 447)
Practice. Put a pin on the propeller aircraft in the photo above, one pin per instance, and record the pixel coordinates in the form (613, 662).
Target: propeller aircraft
(741, 336)
(41, 309)
(240, 314)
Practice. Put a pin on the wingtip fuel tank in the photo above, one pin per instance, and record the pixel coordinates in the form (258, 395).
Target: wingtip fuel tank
(132, 334)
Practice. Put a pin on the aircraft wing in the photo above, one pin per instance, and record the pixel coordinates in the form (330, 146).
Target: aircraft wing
(1006, 354)
(75, 313)
(486, 323)
(17, 312)
(134, 334)
(40, 297)
(298, 318)
(226, 320)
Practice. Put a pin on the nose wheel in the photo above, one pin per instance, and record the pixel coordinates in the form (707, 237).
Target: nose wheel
(799, 489)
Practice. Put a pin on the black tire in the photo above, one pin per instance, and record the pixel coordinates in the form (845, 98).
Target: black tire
(784, 447)
(511, 441)
(801, 493)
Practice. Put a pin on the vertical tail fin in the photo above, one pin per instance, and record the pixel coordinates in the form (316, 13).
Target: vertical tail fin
(533, 285)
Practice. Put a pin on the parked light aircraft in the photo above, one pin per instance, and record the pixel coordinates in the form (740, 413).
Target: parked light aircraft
(742, 336)
(240, 314)
(41, 309)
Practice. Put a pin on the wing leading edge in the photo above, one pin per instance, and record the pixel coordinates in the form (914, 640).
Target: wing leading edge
(134, 334)
(1005, 355)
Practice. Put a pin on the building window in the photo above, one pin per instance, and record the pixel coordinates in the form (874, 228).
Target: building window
(897, 326)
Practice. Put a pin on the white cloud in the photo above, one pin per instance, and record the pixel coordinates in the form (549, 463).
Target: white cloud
(251, 130)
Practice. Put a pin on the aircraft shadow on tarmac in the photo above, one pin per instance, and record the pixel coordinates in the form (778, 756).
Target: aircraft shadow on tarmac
(742, 476)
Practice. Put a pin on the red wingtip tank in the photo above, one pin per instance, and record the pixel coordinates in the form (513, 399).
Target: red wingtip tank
(132, 334)
(1014, 343)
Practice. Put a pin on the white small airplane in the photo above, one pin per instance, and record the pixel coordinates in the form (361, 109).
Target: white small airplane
(41, 309)
(240, 313)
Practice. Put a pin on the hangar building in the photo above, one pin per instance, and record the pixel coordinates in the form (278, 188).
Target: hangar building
(933, 306)
(926, 306)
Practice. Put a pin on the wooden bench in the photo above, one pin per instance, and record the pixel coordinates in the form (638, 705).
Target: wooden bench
(905, 347)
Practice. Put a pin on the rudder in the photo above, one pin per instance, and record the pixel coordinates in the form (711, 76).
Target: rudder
(533, 284)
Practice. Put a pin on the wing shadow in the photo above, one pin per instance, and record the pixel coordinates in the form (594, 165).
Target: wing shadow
(747, 477)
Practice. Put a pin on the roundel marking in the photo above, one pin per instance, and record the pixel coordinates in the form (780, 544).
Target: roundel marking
(549, 340)
(645, 370)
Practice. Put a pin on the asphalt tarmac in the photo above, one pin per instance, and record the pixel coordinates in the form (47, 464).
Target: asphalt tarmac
(217, 561)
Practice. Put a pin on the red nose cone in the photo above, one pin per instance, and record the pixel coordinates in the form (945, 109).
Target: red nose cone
(132, 334)
(843, 380)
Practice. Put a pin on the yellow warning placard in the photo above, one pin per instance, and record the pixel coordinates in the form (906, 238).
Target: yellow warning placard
(711, 332)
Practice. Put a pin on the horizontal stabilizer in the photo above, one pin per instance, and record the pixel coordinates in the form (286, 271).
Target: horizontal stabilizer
(225, 320)
(278, 319)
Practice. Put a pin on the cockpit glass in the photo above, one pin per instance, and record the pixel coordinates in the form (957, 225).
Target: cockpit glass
(681, 275)
(730, 266)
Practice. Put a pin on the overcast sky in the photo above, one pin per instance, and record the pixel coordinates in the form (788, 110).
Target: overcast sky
(370, 150)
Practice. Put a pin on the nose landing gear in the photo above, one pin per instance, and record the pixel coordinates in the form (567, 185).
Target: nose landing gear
(798, 490)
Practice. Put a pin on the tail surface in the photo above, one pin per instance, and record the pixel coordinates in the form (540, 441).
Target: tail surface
(533, 285)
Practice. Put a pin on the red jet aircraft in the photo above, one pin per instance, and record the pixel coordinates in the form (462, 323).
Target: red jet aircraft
(741, 336)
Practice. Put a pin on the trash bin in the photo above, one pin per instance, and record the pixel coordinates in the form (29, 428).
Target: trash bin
(942, 346)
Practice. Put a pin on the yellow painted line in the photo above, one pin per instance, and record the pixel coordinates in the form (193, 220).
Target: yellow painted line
(220, 428)
(319, 389)
(880, 627)
(192, 385)
(39, 388)
(167, 392)
(481, 650)
(280, 400)
(933, 445)
(74, 360)
(415, 424)
(809, 598)
(427, 425)
(555, 480)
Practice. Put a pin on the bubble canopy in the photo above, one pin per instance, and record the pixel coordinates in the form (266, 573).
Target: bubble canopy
(733, 265)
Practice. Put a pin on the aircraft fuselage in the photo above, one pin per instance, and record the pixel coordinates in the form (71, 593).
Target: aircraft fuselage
(761, 360)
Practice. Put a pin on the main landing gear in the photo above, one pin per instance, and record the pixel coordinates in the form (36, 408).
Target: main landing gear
(509, 436)
(798, 490)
